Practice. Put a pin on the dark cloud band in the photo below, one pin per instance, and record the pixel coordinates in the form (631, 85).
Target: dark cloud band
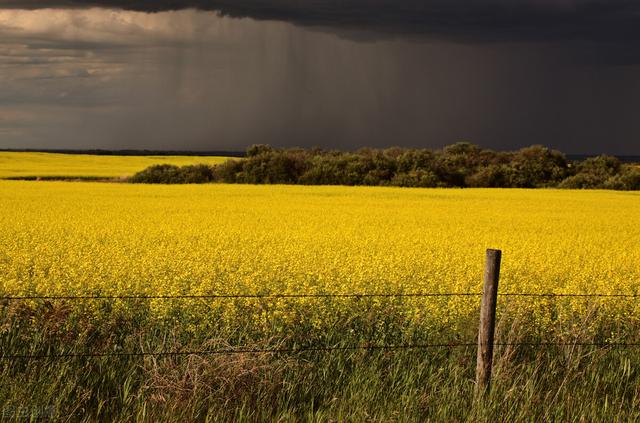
(600, 20)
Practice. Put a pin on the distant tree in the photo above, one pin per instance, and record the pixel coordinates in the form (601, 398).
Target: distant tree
(463, 149)
(158, 174)
(601, 166)
(458, 165)
(170, 174)
(455, 163)
(197, 174)
(594, 172)
(492, 176)
(228, 172)
(416, 178)
(415, 160)
(257, 149)
(274, 167)
(394, 152)
(538, 166)
(627, 180)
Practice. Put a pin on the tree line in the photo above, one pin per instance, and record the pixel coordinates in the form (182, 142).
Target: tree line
(458, 165)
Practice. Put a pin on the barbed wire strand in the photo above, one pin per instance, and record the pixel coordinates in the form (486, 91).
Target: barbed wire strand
(528, 294)
(225, 296)
(284, 296)
(241, 351)
(617, 345)
(569, 344)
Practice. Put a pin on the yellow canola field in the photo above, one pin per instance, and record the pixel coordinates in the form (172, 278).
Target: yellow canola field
(67, 238)
(14, 164)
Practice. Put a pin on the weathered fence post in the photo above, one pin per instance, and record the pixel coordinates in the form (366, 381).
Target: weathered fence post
(487, 321)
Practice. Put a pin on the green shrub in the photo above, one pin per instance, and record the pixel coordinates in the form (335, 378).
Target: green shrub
(627, 180)
(582, 181)
(158, 174)
(602, 167)
(196, 174)
(538, 166)
(258, 149)
(595, 173)
(458, 165)
(492, 176)
(170, 174)
(228, 172)
(415, 178)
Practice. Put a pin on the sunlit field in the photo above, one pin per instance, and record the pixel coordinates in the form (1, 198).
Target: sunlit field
(118, 239)
(33, 165)
(105, 239)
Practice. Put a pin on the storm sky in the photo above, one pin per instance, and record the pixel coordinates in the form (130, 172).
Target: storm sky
(224, 74)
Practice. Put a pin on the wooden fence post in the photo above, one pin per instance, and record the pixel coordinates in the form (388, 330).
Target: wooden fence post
(487, 321)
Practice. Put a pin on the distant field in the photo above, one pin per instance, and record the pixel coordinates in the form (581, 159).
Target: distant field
(23, 165)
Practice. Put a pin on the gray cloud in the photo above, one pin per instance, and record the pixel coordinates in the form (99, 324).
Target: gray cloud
(97, 78)
(488, 20)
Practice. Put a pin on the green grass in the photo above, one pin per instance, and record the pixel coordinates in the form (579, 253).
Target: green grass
(52, 165)
(531, 384)
(550, 385)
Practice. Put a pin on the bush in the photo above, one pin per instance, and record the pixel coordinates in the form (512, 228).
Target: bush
(281, 167)
(170, 174)
(492, 176)
(538, 166)
(582, 181)
(458, 165)
(158, 174)
(415, 178)
(596, 173)
(197, 174)
(415, 159)
(258, 149)
(601, 167)
(228, 172)
(627, 180)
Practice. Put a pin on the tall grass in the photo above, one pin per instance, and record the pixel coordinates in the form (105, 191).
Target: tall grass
(531, 383)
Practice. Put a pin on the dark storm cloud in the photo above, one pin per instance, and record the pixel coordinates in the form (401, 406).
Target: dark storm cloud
(477, 20)
(502, 76)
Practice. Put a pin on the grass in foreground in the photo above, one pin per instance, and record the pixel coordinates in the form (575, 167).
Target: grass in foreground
(530, 384)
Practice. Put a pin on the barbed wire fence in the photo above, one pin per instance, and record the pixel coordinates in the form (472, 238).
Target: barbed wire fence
(278, 296)
(485, 340)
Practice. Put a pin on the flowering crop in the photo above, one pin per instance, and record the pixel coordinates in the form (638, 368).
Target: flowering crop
(62, 238)
(23, 165)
